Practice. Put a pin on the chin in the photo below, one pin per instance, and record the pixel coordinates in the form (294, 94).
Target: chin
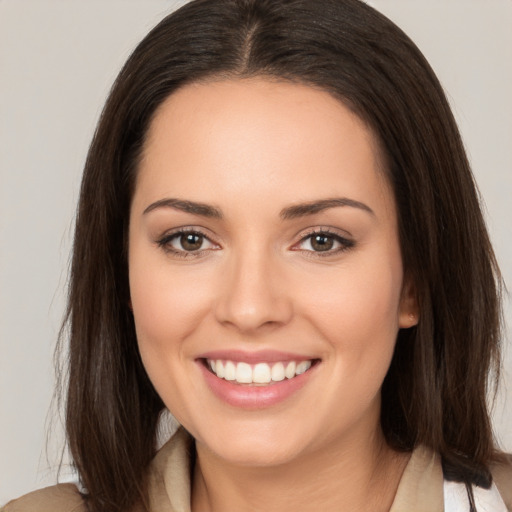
(260, 447)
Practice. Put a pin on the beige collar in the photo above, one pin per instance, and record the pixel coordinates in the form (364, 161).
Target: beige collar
(421, 486)
(420, 489)
(169, 476)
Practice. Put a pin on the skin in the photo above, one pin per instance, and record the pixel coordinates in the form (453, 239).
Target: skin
(251, 148)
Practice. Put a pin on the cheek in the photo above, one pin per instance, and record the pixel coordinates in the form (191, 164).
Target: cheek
(359, 302)
(167, 307)
(166, 304)
(357, 313)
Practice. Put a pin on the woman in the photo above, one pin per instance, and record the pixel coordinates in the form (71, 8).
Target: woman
(279, 240)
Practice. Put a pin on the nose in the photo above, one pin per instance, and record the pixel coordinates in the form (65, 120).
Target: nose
(253, 296)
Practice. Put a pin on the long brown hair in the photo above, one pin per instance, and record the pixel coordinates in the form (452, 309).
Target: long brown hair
(435, 390)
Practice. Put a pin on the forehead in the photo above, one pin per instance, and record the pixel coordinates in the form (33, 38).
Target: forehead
(289, 140)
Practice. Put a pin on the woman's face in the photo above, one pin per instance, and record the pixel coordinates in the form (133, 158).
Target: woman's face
(263, 242)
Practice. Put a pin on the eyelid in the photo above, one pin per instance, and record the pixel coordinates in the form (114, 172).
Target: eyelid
(164, 241)
(346, 242)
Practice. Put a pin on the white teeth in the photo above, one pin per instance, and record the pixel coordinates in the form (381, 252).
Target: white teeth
(278, 372)
(243, 373)
(302, 367)
(290, 370)
(229, 371)
(261, 373)
(219, 369)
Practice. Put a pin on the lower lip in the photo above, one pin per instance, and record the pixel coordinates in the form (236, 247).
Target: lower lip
(254, 397)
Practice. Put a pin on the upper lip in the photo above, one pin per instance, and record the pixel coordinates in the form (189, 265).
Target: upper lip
(261, 356)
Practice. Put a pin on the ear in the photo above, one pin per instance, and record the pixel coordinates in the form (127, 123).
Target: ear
(409, 313)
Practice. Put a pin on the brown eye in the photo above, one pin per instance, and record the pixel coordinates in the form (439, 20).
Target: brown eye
(325, 242)
(322, 242)
(191, 241)
(186, 242)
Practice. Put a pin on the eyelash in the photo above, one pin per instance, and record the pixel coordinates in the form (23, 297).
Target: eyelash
(166, 240)
(345, 244)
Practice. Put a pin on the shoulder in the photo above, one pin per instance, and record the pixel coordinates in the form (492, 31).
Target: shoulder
(58, 498)
(502, 476)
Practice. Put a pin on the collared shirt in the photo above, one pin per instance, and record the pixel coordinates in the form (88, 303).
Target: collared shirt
(421, 488)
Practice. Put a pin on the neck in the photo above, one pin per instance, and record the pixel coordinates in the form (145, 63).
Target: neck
(349, 475)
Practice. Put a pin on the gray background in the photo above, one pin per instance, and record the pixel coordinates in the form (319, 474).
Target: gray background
(57, 62)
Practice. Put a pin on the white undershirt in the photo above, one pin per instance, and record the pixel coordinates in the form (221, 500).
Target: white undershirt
(486, 500)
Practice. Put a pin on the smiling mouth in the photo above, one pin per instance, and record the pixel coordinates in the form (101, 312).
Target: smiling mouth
(259, 374)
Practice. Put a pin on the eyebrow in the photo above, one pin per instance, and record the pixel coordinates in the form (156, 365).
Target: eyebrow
(312, 207)
(202, 209)
(288, 213)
